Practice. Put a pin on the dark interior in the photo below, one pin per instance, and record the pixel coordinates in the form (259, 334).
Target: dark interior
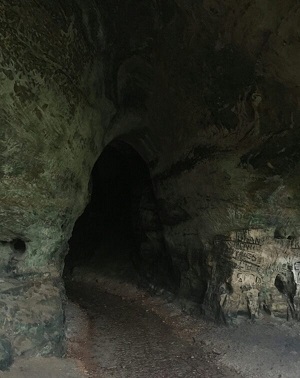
(120, 234)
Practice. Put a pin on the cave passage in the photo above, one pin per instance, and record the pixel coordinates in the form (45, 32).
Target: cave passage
(119, 234)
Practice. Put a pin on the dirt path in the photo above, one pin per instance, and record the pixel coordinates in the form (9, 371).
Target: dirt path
(125, 339)
(115, 330)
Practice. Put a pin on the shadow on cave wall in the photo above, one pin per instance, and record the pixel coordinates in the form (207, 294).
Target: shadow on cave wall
(120, 233)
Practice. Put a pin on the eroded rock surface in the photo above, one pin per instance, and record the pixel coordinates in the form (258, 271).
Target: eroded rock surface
(51, 91)
(207, 93)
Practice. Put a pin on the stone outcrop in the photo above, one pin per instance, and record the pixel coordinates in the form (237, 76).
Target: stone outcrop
(206, 92)
(51, 93)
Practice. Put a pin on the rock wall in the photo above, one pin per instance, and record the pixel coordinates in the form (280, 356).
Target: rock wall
(218, 127)
(206, 92)
(262, 275)
(50, 126)
(234, 115)
(51, 93)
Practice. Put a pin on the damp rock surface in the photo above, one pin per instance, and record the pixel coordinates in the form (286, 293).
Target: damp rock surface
(6, 357)
(207, 94)
(31, 317)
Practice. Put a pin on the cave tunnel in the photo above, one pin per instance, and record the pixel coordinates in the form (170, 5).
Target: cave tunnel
(207, 92)
(119, 234)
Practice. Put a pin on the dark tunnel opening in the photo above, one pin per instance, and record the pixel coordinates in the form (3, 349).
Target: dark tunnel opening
(120, 234)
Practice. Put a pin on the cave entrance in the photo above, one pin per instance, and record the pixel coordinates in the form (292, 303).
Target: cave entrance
(120, 234)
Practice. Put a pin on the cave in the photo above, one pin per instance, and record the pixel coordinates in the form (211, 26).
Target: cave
(153, 143)
(120, 233)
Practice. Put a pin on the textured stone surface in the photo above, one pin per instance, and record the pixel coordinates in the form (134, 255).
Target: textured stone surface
(32, 315)
(5, 353)
(51, 128)
(206, 92)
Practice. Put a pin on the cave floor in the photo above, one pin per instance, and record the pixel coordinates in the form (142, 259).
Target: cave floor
(116, 330)
(40, 367)
(125, 337)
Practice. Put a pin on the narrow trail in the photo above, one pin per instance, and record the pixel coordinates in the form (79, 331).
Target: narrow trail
(124, 339)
